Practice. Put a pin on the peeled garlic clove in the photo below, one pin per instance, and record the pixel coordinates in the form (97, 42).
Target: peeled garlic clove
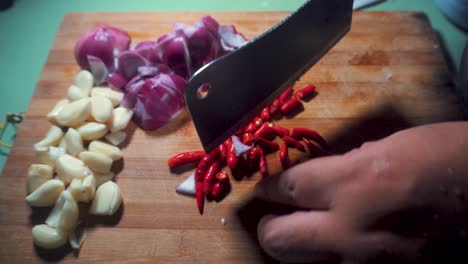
(95, 161)
(106, 200)
(47, 237)
(55, 153)
(92, 131)
(116, 138)
(38, 174)
(52, 138)
(65, 213)
(69, 167)
(63, 144)
(74, 143)
(74, 113)
(83, 189)
(84, 79)
(103, 178)
(76, 93)
(46, 194)
(101, 108)
(43, 156)
(113, 95)
(120, 118)
(57, 108)
(109, 150)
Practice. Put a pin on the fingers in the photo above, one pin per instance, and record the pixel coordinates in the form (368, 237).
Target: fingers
(299, 237)
(320, 237)
(377, 246)
(307, 185)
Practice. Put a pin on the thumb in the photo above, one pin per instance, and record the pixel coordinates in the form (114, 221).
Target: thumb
(299, 237)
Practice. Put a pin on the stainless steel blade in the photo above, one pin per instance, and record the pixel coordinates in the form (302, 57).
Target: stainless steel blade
(240, 84)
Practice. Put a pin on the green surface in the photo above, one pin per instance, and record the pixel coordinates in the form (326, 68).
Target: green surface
(29, 27)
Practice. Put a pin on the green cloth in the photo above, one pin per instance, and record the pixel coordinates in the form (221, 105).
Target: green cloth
(29, 27)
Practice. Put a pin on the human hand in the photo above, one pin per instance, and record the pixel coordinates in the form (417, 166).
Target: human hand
(386, 199)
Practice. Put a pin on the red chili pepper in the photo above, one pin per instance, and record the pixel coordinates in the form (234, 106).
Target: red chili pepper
(284, 97)
(263, 164)
(315, 149)
(284, 156)
(281, 131)
(299, 133)
(305, 92)
(210, 177)
(247, 138)
(200, 196)
(253, 125)
(184, 158)
(220, 190)
(222, 176)
(204, 164)
(240, 131)
(265, 114)
(250, 127)
(275, 108)
(290, 106)
(202, 167)
(231, 159)
(222, 152)
(266, 132)
(266, 145)
(252, 156)
(292, 143)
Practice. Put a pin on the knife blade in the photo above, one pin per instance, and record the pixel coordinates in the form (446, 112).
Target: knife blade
(226, 94)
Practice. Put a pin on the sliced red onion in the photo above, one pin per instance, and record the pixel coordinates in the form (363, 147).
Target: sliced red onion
(98, 69)
(230, 38)
(149, 50)
(203, 46)
(116, 81)
(132, 82)
(101, 43)
(188, 48)
(153, 74)
(131, 90)
(239, 147)
(144, 44)
(128, 63)
(187, 187)
(150, 71)
(210, 23)
(155, 101)
(143, 73)
(173, 52)
(147, 71)
(122, 38)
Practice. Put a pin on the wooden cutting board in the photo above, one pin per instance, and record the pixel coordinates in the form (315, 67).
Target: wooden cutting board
(387, 74)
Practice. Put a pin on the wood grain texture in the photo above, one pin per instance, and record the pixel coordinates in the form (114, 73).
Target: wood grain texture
(356, 103)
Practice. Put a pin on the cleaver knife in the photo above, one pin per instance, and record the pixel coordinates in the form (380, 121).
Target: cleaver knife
(224, 95)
